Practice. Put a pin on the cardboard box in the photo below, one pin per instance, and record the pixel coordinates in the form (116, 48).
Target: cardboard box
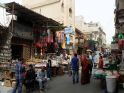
(7, 83)
(13, 84)
(60, 71)
(121, 78)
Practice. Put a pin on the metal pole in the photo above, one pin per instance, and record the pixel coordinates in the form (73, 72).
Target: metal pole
(12, 30)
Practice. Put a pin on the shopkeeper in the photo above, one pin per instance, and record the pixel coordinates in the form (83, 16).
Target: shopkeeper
(112, 65)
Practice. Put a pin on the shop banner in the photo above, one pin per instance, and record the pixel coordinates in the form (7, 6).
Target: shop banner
(68, 30)
(68, 39)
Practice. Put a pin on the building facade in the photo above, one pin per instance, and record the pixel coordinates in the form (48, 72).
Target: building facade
(79, 22)
(63, 11)
(94, 32)
(91, 32)
(27, 36)
(79, 38)
(118, 38)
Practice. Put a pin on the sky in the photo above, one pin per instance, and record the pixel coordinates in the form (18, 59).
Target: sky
(101, 11)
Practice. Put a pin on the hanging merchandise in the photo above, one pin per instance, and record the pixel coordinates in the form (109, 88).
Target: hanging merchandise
(55, 45)
(113, 39)
(123, 37)
(120, 36)
(48, 32)
(38, 45)
(68, 39)
(45, 44)
(120, 43)
(51, 39)
(62, 36)
(58, 35)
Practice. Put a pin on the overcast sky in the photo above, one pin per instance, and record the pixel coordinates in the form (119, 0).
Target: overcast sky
(101, 11)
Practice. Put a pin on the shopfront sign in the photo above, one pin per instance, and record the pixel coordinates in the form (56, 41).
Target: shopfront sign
(68, 30)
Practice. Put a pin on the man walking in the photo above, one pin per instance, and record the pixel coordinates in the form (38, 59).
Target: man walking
(19, 73)
(75, 69)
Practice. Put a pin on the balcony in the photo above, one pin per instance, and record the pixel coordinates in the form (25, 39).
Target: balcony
(120, 4)
(119, 17)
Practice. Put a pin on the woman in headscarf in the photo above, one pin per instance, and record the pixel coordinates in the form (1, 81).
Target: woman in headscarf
(85, 72)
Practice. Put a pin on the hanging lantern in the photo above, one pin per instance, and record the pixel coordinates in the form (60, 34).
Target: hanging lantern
(113, 39)
(120, 36)
(123, 37)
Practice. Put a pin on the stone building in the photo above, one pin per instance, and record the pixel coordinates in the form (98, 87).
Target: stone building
(63, 11)
(91, 31)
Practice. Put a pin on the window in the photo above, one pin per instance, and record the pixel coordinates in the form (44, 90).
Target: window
(70, 12)
(62, 7)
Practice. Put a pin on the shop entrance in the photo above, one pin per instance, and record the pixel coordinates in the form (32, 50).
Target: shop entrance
(17, 51)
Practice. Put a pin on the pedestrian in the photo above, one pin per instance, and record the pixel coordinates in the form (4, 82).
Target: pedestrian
(49, 69)
(42, 79)
(90, 64)
(85, 71)
(75, 69)
(19, 74)
(30, 79)
(101, 63)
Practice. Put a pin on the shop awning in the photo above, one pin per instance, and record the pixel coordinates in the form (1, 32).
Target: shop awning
(30, 16)
(79, 33)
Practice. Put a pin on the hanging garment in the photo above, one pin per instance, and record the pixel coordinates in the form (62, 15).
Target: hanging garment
(68, 39)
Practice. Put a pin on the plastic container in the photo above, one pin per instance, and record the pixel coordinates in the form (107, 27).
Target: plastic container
(111, 84)
(123, 85)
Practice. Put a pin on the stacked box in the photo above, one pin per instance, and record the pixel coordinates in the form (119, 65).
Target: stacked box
(7, 83)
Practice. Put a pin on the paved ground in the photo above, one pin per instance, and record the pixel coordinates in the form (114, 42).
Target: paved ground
(63, 84)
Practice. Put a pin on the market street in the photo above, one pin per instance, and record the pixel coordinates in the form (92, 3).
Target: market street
(63, 84)
(61, 46)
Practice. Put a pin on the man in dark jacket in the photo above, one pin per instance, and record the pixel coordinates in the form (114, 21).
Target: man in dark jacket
(30, 79)
(75, 68)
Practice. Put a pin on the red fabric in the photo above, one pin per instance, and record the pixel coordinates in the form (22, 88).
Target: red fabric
(84, 62)
(38, 45)
(100, 63)
(120, 44)
(50, 39)
(85, 72)
(55, 45)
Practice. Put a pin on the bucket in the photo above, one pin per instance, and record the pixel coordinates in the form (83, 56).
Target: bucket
(111, 84)
(123, 85)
